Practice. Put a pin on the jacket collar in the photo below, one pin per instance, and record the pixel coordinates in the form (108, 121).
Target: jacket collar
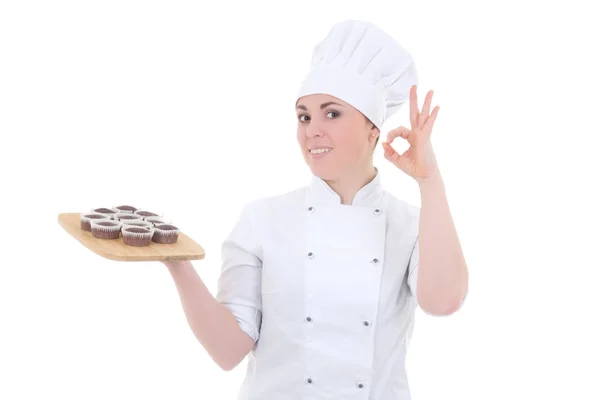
(368, 195)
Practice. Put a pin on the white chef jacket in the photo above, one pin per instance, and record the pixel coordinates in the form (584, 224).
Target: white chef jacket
(326, 290)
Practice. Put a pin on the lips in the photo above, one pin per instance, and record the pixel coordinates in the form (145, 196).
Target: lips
(319, 152)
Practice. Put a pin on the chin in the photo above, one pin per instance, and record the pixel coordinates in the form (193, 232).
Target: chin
(324, 172)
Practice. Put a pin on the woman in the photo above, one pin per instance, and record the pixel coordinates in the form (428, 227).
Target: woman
(319, 286)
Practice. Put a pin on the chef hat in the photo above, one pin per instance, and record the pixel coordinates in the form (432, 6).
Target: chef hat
(363, 66)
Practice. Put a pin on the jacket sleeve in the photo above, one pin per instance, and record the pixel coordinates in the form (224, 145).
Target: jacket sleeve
(413, 267)
(239, 287)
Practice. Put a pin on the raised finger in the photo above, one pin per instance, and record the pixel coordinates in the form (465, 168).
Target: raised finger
(414, 107)
(428, 127)
(426, 107)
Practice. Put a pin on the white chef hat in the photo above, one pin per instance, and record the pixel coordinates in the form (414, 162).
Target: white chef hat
(363, 66)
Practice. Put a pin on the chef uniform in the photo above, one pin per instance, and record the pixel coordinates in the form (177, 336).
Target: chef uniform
(327, 291)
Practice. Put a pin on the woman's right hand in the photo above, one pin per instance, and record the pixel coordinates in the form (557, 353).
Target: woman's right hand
(175, 263)
(213, 324)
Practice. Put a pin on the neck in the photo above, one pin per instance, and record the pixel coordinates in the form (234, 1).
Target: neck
(349, 184)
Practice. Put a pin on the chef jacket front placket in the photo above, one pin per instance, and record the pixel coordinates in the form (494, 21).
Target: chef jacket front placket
(344, 257)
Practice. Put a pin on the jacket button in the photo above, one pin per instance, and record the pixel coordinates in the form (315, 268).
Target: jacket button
(375, 261)
(310, 209)
(308, 319)
(377, 211)
(311, 255)
(309, 380)
(360, 385)
(366, 323)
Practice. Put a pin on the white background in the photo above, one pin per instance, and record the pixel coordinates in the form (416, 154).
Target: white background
(188, 110)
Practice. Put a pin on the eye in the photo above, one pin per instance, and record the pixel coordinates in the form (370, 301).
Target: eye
(337, 114)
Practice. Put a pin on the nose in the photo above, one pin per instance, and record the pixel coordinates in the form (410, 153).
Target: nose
(313, 130)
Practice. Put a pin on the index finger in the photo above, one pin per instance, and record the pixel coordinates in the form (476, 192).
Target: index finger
(394, 133)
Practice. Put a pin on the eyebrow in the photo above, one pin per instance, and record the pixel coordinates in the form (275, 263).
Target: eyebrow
(322, 105)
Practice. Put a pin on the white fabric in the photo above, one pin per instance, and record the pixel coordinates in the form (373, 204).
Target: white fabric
(285, 261)
(362, 65)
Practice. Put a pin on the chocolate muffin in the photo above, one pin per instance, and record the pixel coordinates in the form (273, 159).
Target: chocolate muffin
(139, 223)
(106, 229)
(156, 220)
(165, 234)
(145, 213)
(105, 211)
(128, 217)
(86, 217)
(125, 209)
(137, 236)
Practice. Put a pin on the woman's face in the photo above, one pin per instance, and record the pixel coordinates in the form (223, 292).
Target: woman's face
(340, 134)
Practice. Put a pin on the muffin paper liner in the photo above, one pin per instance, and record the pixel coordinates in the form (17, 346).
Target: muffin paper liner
(165, 236)
(85, 221)
(106, 232)
(137, 238)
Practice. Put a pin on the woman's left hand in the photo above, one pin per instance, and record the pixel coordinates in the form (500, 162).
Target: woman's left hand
(418, 161)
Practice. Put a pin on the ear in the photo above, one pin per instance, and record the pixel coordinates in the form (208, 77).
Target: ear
(374, 132)
(374, 137)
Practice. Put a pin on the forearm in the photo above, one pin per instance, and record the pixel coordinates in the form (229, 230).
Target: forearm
(442, 275)
(215, 327)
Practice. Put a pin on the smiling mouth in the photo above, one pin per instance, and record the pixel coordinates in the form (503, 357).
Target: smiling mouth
(320, 151)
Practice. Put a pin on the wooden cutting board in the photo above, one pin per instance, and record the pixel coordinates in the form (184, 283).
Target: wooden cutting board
(115, 249)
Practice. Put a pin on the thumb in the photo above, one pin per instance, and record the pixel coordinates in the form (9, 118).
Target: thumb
(389, 153)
